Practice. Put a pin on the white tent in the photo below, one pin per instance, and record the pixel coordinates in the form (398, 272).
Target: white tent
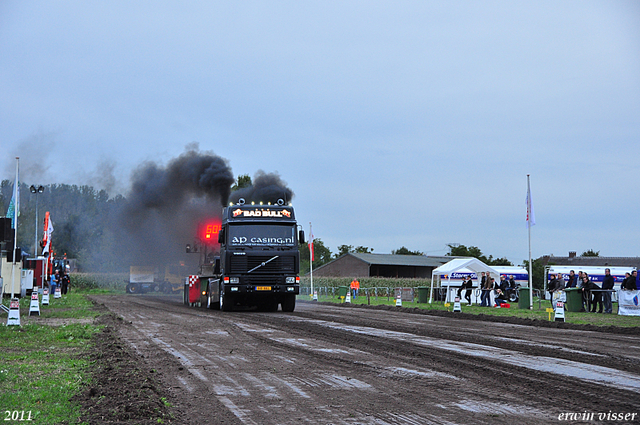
(461, 265)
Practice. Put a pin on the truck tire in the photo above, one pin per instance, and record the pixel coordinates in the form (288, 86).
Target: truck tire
(226, 302)
(185, 295)
(133, 288)
(289, 303)
(212, 304)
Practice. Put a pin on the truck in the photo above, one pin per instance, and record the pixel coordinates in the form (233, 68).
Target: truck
(258, 263)
(154, 279)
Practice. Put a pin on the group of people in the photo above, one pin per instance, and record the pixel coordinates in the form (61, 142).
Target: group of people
(488, 284)
(59, 278)
(593, 296)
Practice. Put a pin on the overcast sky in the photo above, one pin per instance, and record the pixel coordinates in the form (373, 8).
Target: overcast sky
(395, 123)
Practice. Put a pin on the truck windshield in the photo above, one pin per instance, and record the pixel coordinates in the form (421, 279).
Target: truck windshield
(262, 235)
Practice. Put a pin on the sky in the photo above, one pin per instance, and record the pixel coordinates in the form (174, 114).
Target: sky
(395, 123)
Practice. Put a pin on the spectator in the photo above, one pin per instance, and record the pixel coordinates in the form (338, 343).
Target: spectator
(555, 287)
(469, 286)
(607, 285)
(486, 291)
(64, 279)
(594, 296)
(504, 284)
(512, 282)
(572, 282)
(629, 282)
(53, 283)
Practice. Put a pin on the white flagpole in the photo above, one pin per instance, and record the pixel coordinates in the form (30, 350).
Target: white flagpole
(529, 218)
(311, 259)
(16, 203)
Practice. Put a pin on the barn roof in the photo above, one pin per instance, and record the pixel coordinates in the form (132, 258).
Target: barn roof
(401, 260)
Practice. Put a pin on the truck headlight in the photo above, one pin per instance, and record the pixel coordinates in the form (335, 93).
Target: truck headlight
(290, 289)
(234, 280)
(291, 279)
(234, 289)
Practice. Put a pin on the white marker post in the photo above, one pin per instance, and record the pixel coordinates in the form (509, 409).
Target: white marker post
(14, 313)
(34, 307)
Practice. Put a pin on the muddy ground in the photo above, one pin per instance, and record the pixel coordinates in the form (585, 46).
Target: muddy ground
(329, 364)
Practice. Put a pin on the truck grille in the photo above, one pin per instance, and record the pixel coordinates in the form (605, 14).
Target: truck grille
(257, 280)
(243, 263)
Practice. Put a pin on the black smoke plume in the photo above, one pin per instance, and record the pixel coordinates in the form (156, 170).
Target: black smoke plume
(166, 205)
(265, 188)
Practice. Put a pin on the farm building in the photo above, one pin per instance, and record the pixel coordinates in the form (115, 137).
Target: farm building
(381, 265)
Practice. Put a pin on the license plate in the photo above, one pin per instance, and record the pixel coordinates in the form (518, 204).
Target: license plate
(263, 288)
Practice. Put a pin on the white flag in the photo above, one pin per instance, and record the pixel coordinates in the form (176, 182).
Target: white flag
(531, 217)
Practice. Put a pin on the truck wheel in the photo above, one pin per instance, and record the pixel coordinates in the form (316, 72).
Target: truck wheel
(226, 303)
(213, 303)
(513, 297)
(133, 288)
(289, 303)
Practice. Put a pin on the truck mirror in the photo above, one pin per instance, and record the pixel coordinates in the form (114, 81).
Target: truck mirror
(221, 236)
(216, 265)
(301, 236)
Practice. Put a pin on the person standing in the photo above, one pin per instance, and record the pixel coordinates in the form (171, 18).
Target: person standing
(594, 295)
(486, 291)
(607, 286)
(467, 293)
(572, 282)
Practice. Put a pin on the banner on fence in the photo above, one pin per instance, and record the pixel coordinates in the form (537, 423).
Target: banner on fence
(628, 303)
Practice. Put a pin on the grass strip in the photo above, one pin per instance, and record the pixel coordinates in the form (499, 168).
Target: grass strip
(539, 311)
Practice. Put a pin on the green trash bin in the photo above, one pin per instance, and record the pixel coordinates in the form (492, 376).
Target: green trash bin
(342, 291)
(523, 300)
(574, 299)
(423, 294)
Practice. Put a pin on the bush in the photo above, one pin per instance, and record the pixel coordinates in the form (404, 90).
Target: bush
(114, 281)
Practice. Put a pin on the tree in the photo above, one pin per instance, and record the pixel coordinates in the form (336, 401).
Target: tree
(475, 252)
(322, 255)
(537, 273)
(405, 251)
(346, 249)
(590, 253)
(243, 181)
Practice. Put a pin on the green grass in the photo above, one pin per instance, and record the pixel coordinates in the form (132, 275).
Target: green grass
(43, 366)
(539, 311)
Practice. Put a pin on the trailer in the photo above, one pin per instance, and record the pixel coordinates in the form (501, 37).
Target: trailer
(154, 279)
(258, 263)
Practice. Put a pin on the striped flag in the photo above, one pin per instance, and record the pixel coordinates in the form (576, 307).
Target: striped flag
(311, 250)
(48, 229)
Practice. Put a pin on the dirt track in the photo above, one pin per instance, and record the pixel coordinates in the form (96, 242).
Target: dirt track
(326, 364)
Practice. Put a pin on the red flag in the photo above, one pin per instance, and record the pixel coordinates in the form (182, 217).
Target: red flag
(311, 250)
